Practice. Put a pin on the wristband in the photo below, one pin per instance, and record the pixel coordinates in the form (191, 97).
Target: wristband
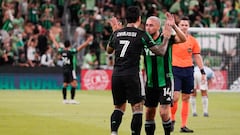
(202, 72)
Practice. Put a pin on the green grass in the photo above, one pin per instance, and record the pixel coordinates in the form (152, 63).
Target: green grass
(42, 113)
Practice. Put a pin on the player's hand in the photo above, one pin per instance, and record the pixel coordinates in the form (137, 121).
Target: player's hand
(115, 24)
(167, 30)
(170, 19)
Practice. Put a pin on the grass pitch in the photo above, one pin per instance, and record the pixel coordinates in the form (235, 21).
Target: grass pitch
(42, 113)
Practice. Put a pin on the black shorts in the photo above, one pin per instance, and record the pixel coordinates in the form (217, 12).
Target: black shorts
(162, 95)
(183, 79)
(68, 77)
(126, 88)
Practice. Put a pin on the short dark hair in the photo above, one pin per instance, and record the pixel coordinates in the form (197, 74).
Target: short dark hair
(132, 14)
(185, 18)
(67, 43)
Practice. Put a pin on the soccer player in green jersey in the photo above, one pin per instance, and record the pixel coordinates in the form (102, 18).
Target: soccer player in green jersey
(69, 67)
(159, 76)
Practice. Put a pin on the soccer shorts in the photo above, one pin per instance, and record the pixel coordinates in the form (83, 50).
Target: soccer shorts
(183, 79)
(126, 88)
(162, 95)
(69, 76)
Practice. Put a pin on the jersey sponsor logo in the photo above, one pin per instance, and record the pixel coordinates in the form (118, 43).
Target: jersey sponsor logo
(149, 52)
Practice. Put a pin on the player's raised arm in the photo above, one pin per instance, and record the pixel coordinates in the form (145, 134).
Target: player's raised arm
(115, 24)
(180, 36)
(109, 49)
(161, 50)
(86, 43)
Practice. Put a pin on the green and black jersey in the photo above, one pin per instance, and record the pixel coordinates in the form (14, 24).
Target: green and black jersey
(158, 68)
(69, 59)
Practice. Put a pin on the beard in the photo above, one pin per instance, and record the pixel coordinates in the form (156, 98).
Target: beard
(153, 34)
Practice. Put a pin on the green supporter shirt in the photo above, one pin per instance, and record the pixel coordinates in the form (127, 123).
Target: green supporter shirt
(158, 68)
(47, 23)
(45, 6)
(60, 2)
(7, 25)
(33, 15)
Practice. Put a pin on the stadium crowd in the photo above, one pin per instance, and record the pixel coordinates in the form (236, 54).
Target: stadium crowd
(28, 27)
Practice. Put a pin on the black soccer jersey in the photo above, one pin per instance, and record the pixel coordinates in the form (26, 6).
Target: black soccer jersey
(69, 59)
(128, 44)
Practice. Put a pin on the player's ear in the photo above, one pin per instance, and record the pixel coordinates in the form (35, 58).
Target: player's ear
(139, 21)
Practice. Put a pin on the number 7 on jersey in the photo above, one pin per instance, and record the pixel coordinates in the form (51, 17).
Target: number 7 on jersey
(125, 44)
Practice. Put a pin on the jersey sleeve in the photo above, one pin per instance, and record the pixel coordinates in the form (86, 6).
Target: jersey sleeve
(60, 50)
(196, 47)
(111, 40)
(73, 50)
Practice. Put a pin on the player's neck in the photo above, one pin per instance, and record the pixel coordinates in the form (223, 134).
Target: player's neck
(132, 25)
(156, 35)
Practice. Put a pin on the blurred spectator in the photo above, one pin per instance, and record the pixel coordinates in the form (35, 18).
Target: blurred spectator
(8, 18)
(119, 9)
(51, 8)
(100, 5)
(152, 10)
(79, 38)
(57, 31)
(210, 10)
(47, 19)
(167, 3)
(33, 13)
(59, 61)
(232, 18)
(17, 38)
(74, 7)
(22, 60)
(227, 8)
(175, 7)
(47, 59)
(42, 38)
(82, 14)
(90, 60)
(23, 6)
(7, 54)
(33, 56)
(60, 7)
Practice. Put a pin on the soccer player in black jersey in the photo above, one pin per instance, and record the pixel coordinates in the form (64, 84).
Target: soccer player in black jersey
(159, 76)
(128, 44)
(69, 67)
